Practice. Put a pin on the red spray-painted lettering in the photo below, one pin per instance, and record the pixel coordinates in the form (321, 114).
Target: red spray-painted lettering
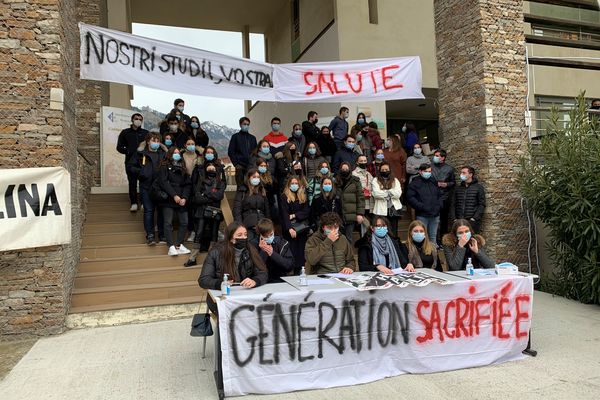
(333, 83)
(468, 315)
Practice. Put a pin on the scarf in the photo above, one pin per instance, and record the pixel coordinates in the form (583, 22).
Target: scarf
(266, 157)
(385, 247)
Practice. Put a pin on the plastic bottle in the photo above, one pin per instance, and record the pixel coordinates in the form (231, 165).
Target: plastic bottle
(225, 287)
(303, 281)
(470, 269)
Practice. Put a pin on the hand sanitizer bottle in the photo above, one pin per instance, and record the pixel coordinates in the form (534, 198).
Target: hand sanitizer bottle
(470, 269)
(303, 281)
(225, 288)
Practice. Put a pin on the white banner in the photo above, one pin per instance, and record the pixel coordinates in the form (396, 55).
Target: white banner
(37, 207)
(114, 56)
(113, 121)
(297, 340)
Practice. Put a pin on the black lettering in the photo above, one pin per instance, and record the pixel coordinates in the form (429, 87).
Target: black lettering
(403, 322)
(347, 326)
(357, 305)
(234, 345)
(167, 66)
(133, 55)
(249, 77)
(144, 56)
(116, 51)
(152, 58)
(323, 331)
(238, 75)
(89, 39)
(194, 68)
(182, 65)
(384, 341)
(32, 199)
(302, 328)
(10, 202)
(124, 54)
(262, 335)
(51, 201)
(371, 318)
(288, 329)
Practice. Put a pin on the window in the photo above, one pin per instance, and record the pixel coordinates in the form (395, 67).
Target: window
(373, 15)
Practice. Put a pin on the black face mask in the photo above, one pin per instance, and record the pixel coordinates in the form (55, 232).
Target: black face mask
(316, 121)
(211, 174)
(362, 165)
(344, 173)
(240, 243)
(595, 107)
(385, 175)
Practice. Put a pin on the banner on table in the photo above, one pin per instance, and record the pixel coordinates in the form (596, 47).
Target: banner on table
(309, 340)
(36, 209)
(114, 56)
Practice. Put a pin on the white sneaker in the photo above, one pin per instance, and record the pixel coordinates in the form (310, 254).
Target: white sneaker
(183, 250)
(173, 251)
(191, 237)
(133, 208)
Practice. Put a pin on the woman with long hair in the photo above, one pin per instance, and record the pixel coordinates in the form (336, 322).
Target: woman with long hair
(235, 257)
(313, 188)
(263, 160)
(353, 199)
(461, 244)
(326, 201)
(419, 250)
(285, 161)
(312, 160)
(200, 136)
(295, 212)
(396, 156)
(386, 192)
(250, 203)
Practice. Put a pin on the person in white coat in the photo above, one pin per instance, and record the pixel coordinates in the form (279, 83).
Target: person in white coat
(386, 192)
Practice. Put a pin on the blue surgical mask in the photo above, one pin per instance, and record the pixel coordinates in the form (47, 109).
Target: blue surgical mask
(265, 150)
(381, 231)
(379, 156)
(209, 156)
(327, 188)
(294, 187)
(312, 151)
(297, 133)
(262, 170)
(468, 236)
(195, 125)
(418, 237)
(178, 116)
(361, 121)
(350, 146)
(169, 142)
(418, 151)
(326, 231)
(270, 239)
(191, 148)
(436, 160)
(463, 178)
(245, 128)
(324, 171)
(154, 145)
(176, 157)
(255, 181)
(426, 175)
(275, 127)
(359, 138)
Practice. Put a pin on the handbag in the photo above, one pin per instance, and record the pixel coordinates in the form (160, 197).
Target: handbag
(157, 195)
(201, 325)
(213, 213)
(392, 212)
(300, 227)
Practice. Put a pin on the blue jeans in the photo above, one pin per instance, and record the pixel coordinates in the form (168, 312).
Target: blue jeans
(431, 223)
(149, 208)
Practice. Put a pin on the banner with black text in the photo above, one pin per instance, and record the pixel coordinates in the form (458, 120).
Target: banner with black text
(36, 207)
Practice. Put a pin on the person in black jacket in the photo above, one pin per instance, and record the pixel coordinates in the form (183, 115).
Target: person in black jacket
(326, 144)
(425, 197)
(148, 159)
(345, 154)
(240, 148)
(173, 179)
(200, 136)
(295, 211)
(127, 143)
(469, 199)
(379, 250)
(250, 203)
(273, 250)
(235, 257)
(208, 189)
(326, 201)
(173, 127)
(310, 130)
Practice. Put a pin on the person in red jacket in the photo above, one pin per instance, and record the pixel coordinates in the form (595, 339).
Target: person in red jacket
(276, 138)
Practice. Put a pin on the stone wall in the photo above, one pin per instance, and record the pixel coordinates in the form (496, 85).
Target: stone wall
(38, 52)
(481, 65)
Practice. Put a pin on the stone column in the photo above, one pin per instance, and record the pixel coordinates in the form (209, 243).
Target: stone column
(481, 68)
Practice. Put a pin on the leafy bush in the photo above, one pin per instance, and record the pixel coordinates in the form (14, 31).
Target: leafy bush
(560, 179)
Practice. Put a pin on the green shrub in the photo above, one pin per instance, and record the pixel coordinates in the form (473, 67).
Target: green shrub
(560, 179)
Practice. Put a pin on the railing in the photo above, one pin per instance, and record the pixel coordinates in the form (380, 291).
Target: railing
(540, 119)
(565, 33)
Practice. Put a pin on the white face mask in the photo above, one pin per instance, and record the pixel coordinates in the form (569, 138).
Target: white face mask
(137, 123)
(180, 108)
(173, 127)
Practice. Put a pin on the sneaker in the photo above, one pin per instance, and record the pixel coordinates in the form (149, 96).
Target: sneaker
(150, 240)
(190, 263)
(191, 237)
(173, 251)
(133, 208)
(162, 240)
(183, 250)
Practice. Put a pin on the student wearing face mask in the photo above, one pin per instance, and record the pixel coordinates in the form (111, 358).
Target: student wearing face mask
(127, 144)
(327, 251)
(298, 138)
(179, 105)
(173, 127)
(396, 156)
(412, 137)
(374, 137)
(425, 197)
(374, 165)
(167, 140)
(274, 251)
(379, 250)
(262, 154)
(251, 203)
(461, 244)
(326, 201)
(414, 162)
(361, 122)
(240, 147)
(312, 160)
(443, 173)
(294, 218)
(268, 182)
(149, 157)
(284, 162)
(366, 182)
(419, 251)
(313, 188)
(208, 189)
(326, 144)
(386, 196)
(200, 136)
(469, 199)
(345, 154)
(173, 179)
(310, 130)
(276, 138)
(339, 127)
(191, 158)
(235, 257)
(364, 147)
(353, 199)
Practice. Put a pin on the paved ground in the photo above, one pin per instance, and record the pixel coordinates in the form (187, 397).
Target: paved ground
(161, 361)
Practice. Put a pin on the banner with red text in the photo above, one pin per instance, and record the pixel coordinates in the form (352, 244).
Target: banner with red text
(300, 340)
(115, 56)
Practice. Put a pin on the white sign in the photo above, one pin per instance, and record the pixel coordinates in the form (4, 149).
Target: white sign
(114, 56)
(113, 121)
(36, 207)
(311, 340)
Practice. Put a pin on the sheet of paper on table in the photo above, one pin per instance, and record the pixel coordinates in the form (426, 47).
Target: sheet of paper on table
(338, 275)
(320, 281)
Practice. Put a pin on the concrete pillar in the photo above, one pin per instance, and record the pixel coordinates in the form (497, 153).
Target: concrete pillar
(119, 19)
(246, 54)
(482, 96)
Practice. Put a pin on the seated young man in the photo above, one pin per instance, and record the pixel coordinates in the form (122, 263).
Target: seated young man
(328, 252)
(274, 251)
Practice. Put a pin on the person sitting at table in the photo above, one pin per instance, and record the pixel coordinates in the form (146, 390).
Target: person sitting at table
(326, 251)
(236, 258)
(379, 249)
(274, 250)
(460, 245)
(418, 249)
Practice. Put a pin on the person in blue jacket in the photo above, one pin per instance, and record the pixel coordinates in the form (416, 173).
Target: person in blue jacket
(240, 148)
